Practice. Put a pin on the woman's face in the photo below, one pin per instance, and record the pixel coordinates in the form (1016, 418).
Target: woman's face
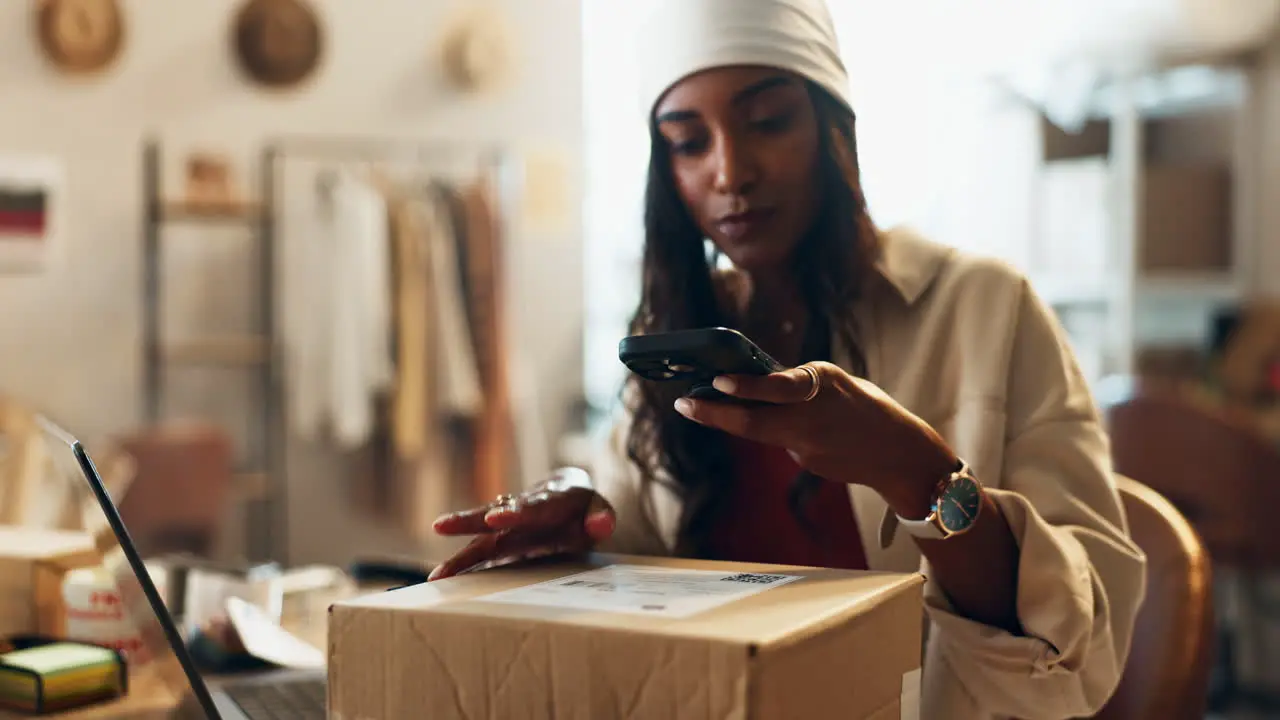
(743, 143)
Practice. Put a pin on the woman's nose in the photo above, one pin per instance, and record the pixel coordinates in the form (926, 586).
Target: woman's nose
(735, 168)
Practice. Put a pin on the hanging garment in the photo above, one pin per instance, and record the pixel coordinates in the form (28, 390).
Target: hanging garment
(457, 371)
(418, 467)
(410, 228)
(529, 450)
(437, 387)
(491, 475)
(429, 301)
(337, 310)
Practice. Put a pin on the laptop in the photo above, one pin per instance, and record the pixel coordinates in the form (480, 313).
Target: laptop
(282, 693)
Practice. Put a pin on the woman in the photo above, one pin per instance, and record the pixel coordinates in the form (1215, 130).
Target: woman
(922, 377)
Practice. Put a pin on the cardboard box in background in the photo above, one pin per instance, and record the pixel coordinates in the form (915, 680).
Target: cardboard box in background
(630, 637)
(1186, 205)
(32, 565)
(1186, 219)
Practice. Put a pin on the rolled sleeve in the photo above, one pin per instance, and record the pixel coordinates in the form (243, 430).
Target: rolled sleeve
(1080, 577)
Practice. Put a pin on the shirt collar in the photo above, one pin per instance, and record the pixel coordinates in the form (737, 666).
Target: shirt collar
(909, 262)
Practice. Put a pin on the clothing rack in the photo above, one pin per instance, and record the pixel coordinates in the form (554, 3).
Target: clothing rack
(273, 525)
(261, 482)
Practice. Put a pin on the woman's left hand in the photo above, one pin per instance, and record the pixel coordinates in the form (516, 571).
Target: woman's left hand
(850, 431)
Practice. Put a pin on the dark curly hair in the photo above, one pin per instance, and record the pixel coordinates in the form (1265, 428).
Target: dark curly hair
(678, 293)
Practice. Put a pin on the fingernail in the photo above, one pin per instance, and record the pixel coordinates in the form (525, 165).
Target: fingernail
(599, 525)
(684, 406)
(435, 573)
(725, 385)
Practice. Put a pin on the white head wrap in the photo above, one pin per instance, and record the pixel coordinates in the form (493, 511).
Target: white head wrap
(683, 37)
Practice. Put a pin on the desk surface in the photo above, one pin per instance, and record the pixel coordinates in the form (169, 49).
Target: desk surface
(148, 698)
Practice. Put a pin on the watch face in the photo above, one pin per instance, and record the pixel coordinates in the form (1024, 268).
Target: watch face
(959, 504)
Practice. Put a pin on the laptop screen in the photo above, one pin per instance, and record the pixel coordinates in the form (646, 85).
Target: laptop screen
(160, 654)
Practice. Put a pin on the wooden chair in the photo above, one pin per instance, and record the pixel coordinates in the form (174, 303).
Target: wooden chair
(1167, 675)
(1223, 475)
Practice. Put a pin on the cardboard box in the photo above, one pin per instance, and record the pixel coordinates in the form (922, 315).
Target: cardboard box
(630, 637)
(32, 565)
(1186, 219)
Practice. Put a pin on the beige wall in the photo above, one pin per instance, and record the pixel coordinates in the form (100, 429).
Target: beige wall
(70, 338)
(1267, 273)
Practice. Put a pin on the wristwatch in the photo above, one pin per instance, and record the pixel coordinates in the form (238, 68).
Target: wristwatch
(957, 502)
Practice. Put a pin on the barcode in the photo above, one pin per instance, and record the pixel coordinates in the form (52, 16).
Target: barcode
(590, 584)
(755, 578)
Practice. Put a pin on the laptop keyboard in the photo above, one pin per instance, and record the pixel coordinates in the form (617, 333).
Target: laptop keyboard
(288, 700)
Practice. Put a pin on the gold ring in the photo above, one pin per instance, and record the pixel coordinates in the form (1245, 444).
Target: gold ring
(815, 382)
(504, 500)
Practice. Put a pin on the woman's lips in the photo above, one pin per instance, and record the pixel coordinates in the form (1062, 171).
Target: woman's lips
(740, 225)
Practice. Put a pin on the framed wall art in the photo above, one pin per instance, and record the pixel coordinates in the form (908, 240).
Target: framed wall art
(31, 198)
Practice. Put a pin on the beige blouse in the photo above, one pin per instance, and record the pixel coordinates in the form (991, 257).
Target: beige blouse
(965, 343)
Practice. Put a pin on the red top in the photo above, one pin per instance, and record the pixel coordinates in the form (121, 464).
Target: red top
(757, 525)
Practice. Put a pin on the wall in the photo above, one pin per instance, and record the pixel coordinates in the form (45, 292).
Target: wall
(1267, 274)
(70, 338)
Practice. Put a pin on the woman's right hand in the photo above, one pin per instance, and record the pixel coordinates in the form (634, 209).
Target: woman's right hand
(561, 516)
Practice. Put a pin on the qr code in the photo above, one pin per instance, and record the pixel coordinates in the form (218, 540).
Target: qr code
(755, 578)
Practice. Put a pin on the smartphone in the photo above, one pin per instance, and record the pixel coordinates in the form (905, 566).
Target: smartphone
(697, 357)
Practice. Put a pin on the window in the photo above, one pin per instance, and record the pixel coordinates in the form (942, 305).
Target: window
(616, 154)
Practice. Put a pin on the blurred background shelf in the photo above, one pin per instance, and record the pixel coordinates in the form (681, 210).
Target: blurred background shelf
(1146, 218)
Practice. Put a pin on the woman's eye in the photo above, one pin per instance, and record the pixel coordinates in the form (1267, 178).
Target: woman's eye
(772, 124)
(688, 147)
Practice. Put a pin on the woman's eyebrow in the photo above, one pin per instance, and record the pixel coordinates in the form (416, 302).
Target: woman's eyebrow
(677, 116)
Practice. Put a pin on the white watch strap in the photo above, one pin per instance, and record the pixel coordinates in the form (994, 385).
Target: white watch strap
(926, 528)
